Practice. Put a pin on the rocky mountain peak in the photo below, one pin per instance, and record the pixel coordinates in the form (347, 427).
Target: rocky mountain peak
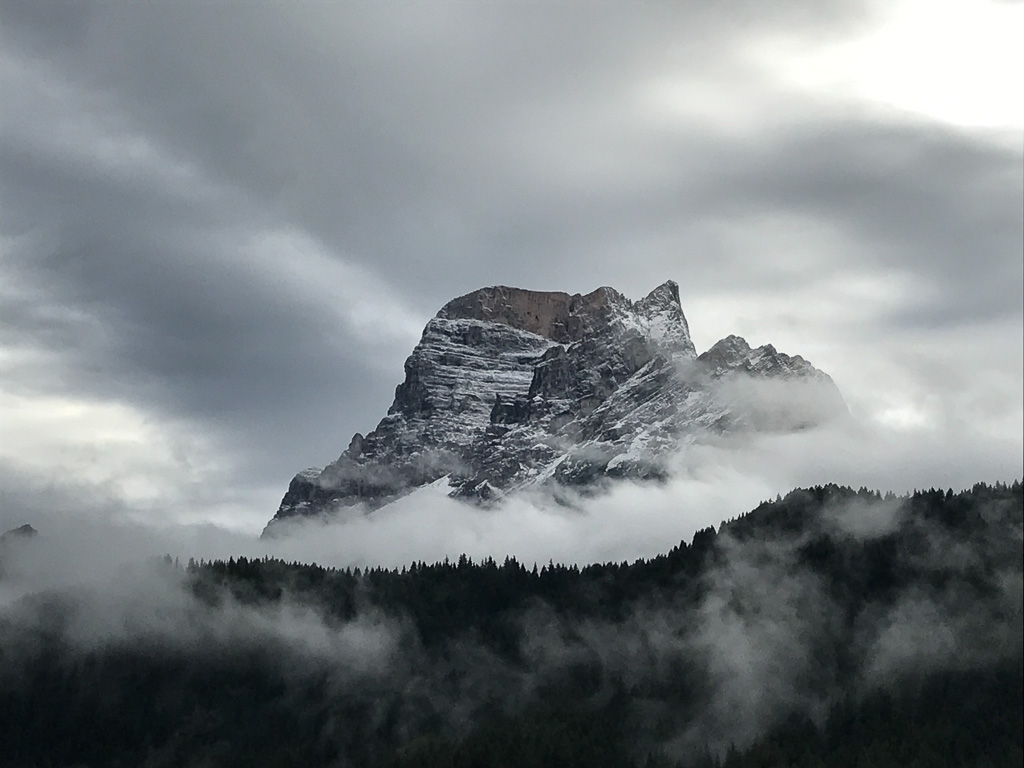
(733, 354)
(665, 295)
(731, 345)
(559, 316)
(664, 322)
(510, 387)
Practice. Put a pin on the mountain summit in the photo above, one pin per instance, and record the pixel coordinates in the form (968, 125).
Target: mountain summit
(509, 388)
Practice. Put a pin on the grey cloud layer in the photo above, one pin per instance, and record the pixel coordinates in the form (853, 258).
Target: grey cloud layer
(196, 201)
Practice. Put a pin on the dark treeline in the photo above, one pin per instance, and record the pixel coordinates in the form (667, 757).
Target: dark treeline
(449, 598)
(894, 628)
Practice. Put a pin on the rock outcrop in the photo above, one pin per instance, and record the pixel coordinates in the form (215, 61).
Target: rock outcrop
(509, 388)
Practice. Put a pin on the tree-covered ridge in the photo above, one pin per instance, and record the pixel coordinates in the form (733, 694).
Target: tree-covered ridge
(447, 597)
(828, 627)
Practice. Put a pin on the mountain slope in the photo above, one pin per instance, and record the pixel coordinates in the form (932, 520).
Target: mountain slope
(509, 388)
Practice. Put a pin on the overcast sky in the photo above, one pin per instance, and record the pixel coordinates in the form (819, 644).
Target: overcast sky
(224, 225)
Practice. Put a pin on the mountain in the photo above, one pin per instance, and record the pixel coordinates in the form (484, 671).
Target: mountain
(509, 388)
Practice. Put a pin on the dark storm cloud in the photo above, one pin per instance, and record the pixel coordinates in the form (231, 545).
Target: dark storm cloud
(418, 140)
(456, 140)
(239, 217)
(948, 210)
(145, 300)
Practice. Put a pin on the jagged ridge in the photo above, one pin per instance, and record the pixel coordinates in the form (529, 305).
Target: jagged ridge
(510, 387)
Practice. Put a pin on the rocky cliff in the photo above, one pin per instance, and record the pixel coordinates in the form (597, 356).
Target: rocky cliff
(510, 388)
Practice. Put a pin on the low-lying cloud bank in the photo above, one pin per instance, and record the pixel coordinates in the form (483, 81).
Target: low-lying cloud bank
(710, 482)
(769, 636)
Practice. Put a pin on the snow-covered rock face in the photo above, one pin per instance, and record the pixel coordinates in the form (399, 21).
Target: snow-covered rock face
(509, 388)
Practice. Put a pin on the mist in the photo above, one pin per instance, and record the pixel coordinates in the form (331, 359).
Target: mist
(709, 481)
(761, 642)
(764, 636)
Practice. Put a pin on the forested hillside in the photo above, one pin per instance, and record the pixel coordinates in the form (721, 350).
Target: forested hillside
(830, 627)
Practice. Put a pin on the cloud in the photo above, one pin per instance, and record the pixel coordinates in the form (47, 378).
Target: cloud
(709, 481)
(233, 225)
(766, 635)
(761, 629)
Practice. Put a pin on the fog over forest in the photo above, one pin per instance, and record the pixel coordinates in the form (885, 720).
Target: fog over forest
(712, 480)
(762, 631)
